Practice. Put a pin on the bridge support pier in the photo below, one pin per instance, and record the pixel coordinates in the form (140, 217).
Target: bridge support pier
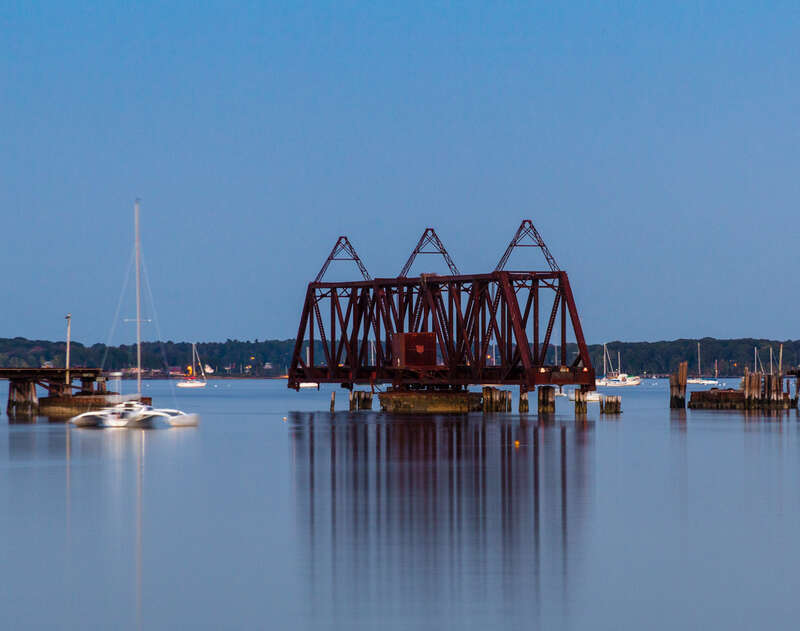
(22, 397)
(547, 399)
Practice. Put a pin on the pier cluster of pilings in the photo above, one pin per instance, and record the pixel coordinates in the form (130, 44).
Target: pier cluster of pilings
(759, 391)
(496, 400)
(489, 400)
(63, 398)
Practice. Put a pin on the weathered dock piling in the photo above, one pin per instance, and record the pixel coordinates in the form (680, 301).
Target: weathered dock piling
(580, 401)
(333, 401)
(611, 404)
(22, 398)
(759, 392)
(359, 400)
(523, 402)
(677, 386)
(496, 400)
(547, 399)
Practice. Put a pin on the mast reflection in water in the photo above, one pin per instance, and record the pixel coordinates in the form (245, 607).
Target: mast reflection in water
(434, 517)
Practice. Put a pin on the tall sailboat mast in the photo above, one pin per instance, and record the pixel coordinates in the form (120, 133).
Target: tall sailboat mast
(138, 302)
(699, 372)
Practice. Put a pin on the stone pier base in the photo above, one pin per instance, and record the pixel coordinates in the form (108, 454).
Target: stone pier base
(409, 402)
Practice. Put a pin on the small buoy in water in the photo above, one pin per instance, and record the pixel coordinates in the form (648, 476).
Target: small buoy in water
(516, 444)
(284, 419)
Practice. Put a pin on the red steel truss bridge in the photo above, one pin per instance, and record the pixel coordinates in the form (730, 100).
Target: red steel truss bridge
(500, 328)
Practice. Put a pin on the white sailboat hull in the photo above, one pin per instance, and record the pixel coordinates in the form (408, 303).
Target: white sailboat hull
(191, 384)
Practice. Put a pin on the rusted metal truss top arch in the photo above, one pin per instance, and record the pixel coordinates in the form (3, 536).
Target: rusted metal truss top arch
(343, 250)
(429, 238)
(527, 231)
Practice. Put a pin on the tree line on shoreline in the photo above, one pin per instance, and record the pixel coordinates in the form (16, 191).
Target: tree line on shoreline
(272, 357)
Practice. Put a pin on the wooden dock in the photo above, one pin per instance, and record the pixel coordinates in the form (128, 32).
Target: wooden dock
(760, 391)
(64, 398)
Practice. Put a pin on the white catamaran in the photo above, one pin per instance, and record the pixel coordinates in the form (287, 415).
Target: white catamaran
(191, 380)
(134, 413)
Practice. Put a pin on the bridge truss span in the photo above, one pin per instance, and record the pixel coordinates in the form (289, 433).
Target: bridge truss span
(497, 328)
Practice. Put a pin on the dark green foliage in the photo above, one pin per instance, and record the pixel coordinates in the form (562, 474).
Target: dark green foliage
(637, 357)
(23, 353)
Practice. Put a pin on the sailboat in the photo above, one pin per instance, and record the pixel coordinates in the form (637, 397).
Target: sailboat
(134, 413)
(615, 378)
(699, 379)
(191, 381)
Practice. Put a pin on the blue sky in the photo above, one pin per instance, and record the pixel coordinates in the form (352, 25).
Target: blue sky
(655, 146)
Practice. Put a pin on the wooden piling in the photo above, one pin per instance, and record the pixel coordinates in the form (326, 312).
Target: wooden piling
(365, 400)
(677, 386)
(523, 402)
(580, 401)
(333, 400)
(611, 404)
(547, 399)
(496, 400)
(352, 401)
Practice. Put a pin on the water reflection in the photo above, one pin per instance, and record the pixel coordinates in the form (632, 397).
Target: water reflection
(439, 510)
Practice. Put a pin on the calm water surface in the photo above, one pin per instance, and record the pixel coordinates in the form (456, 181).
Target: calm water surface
(274, 514)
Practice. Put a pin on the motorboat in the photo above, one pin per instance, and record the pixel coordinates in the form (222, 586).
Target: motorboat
(618, 380)
(615, 378)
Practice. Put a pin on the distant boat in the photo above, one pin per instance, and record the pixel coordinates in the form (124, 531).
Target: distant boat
(615, 378)
(309, 384)
(699, 379)
(593, 396)
(191, 381)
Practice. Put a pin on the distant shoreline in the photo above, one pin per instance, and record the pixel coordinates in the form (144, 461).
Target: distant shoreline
(270, 359)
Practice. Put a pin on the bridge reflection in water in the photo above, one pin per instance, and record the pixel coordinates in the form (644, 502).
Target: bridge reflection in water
(437, 518)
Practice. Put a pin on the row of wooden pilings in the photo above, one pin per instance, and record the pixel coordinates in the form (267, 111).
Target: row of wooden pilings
(358, 400)
(759, 391)
(497, 400)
